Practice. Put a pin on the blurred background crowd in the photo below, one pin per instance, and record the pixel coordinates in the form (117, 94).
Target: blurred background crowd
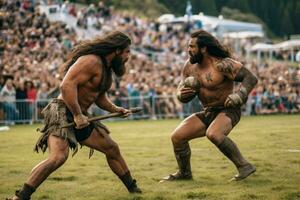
(33, 47)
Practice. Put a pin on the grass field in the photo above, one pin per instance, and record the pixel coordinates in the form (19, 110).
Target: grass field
(272, 143)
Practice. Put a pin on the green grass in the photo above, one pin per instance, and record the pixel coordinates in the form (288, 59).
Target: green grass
(146, 146)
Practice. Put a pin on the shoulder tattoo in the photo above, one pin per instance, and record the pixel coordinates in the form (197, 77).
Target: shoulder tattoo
(227, 67)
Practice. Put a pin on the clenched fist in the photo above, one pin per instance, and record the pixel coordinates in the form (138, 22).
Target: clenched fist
(125, 112)
(236, 99)
(192, 82)
(186, 94)
(81, 121)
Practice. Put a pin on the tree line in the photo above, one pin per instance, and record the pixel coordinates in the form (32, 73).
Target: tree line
(279, 17)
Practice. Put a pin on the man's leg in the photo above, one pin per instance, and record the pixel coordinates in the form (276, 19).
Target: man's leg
(103, 142)
(192, 127)
(217, 133)
(58, 154)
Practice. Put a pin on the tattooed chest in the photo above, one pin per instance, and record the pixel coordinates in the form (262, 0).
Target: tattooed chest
(211, 79)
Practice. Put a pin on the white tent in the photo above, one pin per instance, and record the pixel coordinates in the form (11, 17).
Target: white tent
(286, 45)
(262, 47)
(289, 45)
(217, 24)
(165, 18)
(221, 25)
(244, 34)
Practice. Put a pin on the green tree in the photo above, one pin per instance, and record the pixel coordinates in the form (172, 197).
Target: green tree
(295, 16)
(176, 7)
(148, 8)
(235, 14)
(280, 16)
(208, 7)
(241, 5)
(286, 24)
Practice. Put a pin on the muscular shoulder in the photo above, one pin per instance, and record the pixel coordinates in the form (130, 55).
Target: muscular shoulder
(90, 64)
(89, 61)
(229, 67)
(85, 68)
(187, 68)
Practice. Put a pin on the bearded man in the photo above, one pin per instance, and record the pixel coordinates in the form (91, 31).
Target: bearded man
(88, 77)
(210, 73)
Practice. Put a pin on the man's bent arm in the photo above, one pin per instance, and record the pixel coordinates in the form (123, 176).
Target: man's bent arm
(69, 94)
(81, 72)
(105, 103)
(248, 80)
(184, 74)
(235, 71)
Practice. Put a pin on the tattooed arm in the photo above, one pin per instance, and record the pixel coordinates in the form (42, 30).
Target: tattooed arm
(237, 72)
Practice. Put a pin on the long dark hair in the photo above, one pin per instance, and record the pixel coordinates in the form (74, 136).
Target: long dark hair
(100, 46)
(214, 48)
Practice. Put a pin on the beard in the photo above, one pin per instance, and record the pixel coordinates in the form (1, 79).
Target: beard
(118, 66)
(197, 58)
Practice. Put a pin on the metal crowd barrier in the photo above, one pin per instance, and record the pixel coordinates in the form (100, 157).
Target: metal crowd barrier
(154, 107)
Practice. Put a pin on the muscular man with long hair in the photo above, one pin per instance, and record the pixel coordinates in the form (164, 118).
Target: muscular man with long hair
(213, 68)
(88, 77)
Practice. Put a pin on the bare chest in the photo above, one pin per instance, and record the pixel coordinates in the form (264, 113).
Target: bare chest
(215, 87)
(93, 84)
(209, 78)
(88, 92)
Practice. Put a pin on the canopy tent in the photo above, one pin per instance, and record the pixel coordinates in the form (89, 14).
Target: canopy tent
(219, 25)
(244, 34)
(262, 47)
(165, 18)
(289, 45)
(286, 45)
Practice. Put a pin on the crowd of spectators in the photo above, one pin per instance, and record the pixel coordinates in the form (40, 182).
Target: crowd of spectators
(32, 50)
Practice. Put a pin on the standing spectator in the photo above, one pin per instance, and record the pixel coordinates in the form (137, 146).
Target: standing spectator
(31, 97)
(22, 104)
(72, 10)
(65, 7)
(135, 95)
(8, 97)
(1, 81)
(42, 98)
(42, 95)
